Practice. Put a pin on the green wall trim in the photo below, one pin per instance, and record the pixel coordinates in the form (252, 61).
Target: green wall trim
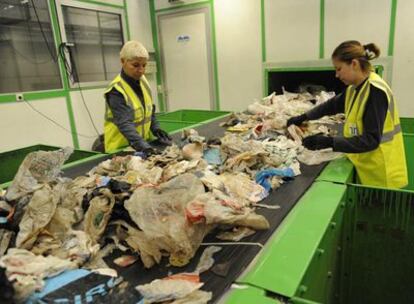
(263, 29)
(7, 98)
(184, 5)
(88, 88)
(161, 102)
(392, 28)
(214, 55)
(64, 76)
(72, 121)
(44, 95)
(322, 30)
(126, 20)
(101, 3)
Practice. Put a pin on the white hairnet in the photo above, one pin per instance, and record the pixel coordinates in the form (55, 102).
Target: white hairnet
(133, 49)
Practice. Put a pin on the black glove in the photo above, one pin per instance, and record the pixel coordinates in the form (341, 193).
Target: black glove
(162, 136)
(150, 151)
(297, 120)
(317, 142)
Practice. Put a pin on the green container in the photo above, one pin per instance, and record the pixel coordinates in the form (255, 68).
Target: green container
(10, 161)
(193, 116)
(407, 125)
(378, 247)
(174, 126)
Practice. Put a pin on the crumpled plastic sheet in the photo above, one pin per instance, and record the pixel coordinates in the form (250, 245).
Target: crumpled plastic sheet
(181, 287)
(240, 187)
(177, 168)
(159, 213)
(169, 288)
(112, 167)
(142, 172)
(244, 161)
(98, 214)
(296, 133)
(149, 251)
(196, 297)
(191, 136)
(27, 270)
(212, 210)
(37, 169)
(234, 144)
(210, 179)
(206, 259)
(38, 214)
(193, 151)
(310, 158)
(236, 234)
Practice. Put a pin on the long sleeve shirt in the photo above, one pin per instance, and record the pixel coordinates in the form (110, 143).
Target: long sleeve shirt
(123, 115)
(373, 120)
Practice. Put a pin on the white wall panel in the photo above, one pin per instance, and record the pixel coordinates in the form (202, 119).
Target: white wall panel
(95, 102)
(21, 126)
(140, 22)
(292, 30)
(366, 21)
(238, 52)
(403, 74)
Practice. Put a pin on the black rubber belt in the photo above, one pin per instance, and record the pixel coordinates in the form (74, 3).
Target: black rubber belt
(231, 260)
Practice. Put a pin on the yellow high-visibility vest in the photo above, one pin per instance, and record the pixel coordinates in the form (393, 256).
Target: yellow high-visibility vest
(142, 118)
(386, 165)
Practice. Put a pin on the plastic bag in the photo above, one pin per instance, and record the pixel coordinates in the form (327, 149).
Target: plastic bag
(37, 169)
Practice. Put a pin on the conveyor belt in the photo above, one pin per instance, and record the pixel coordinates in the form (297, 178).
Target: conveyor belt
(232, 259)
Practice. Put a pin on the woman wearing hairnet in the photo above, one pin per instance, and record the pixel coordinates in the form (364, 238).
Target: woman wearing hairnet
(130, 112)
(372, 137)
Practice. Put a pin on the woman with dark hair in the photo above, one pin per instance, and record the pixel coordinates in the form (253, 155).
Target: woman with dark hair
(372, 138)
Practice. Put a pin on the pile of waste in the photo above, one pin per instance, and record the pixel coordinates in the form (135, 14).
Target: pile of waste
(153, 208)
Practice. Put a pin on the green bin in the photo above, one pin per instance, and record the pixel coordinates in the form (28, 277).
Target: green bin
(171, 126)
(10, 161)
(407, 125)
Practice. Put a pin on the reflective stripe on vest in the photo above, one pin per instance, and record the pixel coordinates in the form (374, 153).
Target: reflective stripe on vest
(388, 136)
(384, 166)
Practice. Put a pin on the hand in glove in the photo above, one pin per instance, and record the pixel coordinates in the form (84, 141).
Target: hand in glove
(150, 151)
(297, 120)
(317, 142)
(162, 136)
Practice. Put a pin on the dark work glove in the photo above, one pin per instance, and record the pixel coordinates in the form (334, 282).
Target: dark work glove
(162, 136)
(317, 142)
(297, 120)
(151, 151)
